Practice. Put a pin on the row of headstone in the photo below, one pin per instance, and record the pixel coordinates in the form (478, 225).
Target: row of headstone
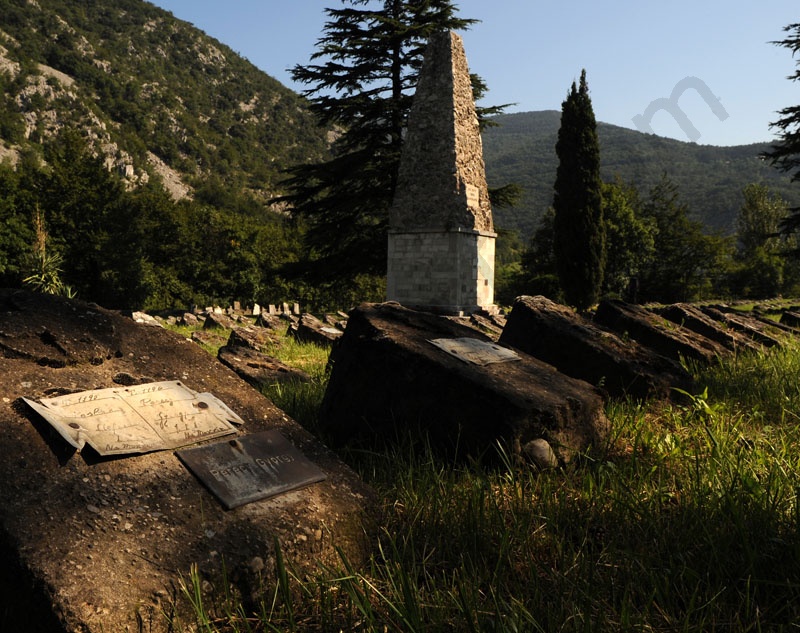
(254, 310)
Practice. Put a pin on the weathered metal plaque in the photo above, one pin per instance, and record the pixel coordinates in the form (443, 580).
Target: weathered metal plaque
(137, 419)
(250, 468)
(475, 351)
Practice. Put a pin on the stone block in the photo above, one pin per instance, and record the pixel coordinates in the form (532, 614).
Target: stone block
(388, 378)
(557, 335)
(94, 544)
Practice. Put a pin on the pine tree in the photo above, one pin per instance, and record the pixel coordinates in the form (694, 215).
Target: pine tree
(361, 86)
(785, 153)
(578, 231)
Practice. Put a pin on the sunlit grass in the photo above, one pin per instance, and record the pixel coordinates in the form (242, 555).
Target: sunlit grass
(686, 520)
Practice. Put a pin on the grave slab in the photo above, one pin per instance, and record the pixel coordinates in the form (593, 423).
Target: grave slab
(95, 543)
(388, 378)
(578, 347)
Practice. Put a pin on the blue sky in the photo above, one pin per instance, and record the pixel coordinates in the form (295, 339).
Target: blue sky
(530, 51)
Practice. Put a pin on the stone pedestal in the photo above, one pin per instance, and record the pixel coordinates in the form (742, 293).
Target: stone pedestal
(442, 271)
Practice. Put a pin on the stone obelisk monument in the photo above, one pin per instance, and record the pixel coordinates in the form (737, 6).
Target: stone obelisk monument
(441, 237)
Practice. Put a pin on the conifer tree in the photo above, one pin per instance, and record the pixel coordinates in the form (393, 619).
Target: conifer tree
(361, 85)
(578, 231)
(785, 153)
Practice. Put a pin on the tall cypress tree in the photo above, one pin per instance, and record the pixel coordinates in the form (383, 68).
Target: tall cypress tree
(362, 86)
(578, 231)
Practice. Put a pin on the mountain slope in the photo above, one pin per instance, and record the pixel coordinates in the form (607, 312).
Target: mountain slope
(710, 179)
(152, 93)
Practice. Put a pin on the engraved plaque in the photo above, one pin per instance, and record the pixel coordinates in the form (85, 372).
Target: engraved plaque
(137, 419)
(473, 197)
(250, 468)
(475, 351)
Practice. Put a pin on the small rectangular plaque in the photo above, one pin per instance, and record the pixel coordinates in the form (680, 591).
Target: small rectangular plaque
(137, 419)
(250, 468)
(475, 351)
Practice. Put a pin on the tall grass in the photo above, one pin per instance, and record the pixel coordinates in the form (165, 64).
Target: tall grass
(686, 520)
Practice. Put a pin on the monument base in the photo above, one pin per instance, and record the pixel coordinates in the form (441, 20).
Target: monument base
(448, 272)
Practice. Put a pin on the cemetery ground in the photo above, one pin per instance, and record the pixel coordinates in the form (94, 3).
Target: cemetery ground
(688, 519)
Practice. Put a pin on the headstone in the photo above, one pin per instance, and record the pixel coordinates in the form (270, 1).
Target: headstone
(145, 319)
(272, 309)
(93, 543)
(218, 321)
(259, 369)
(237, 306)
(309, 329)
(397, 369)
(579, 348)
(656, 332)
(256, 309)
(693, 318)
(296, 309)
(441, 234)
(761, 329)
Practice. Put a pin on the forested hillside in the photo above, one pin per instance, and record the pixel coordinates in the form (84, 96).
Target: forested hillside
(138, 157)
(710, 179)
(152, 93)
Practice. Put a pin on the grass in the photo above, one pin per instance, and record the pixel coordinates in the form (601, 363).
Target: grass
(686, 520)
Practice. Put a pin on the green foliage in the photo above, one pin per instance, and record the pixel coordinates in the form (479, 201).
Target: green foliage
(521, 149)
(763, 268)
(579, 241)
(685, 520)
(686, 263)
(537, 275)
(361, 81)
(785, 154)
(630, 242)
(43, 267)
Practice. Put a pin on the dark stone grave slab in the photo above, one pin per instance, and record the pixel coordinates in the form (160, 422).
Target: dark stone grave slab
(97, 544)
(580, 348)
(695, 319)
(758, 328)
(387, 379)
(651, 330)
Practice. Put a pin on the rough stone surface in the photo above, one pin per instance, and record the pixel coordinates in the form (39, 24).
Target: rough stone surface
(557, 335)
(218, 321)
(93, 544)
(790, 318)
(256, 338)
(696, 320)
(442, 177)
(764, 331)
(309, 329)
(270, 321)
(653, 331)
(441, 243)
(540, 453)
(258, 369)
(388, 378)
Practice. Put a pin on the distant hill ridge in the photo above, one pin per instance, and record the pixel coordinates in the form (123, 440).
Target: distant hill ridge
(159, 98)
(521, 149)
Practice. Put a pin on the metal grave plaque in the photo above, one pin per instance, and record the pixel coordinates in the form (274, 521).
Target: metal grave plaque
(475, 351)
(137, 419)
(250, 468)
